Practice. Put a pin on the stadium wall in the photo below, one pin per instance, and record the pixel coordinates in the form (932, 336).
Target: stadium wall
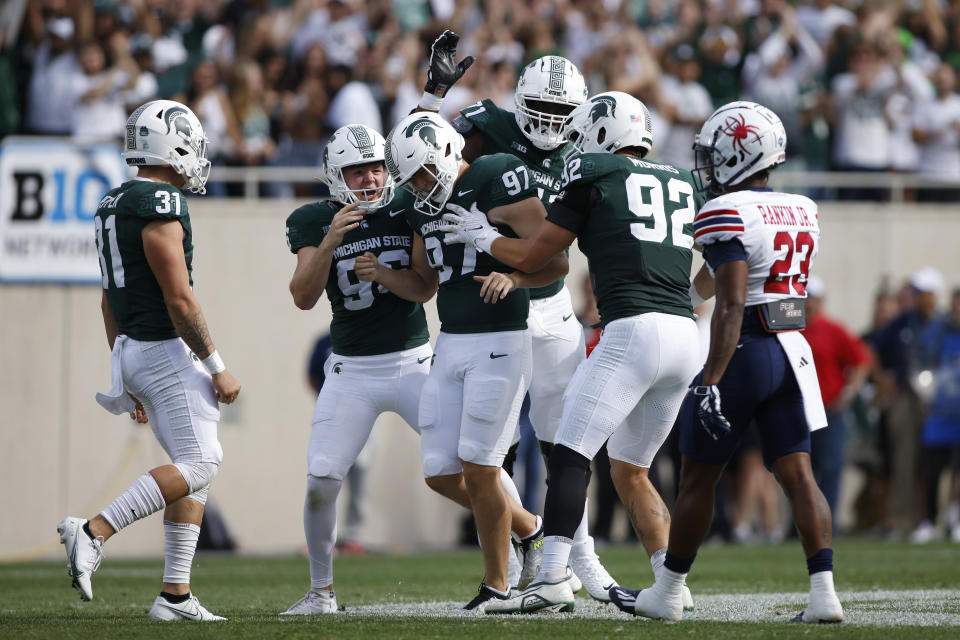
(62, 454)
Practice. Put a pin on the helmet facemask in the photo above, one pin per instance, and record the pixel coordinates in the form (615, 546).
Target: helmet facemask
(548, 90)
(424, 147)
(164, 132)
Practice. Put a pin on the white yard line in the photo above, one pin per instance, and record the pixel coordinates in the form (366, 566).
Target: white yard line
(879, 607)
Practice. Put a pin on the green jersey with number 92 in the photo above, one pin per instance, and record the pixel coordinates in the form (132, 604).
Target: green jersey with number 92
(636, 231)
(490, 182)
(367, 318)
(132, 291)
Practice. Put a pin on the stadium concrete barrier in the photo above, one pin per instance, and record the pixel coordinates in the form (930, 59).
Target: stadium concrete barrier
(62, 454)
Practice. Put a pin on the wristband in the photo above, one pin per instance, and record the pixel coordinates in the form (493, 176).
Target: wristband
(430, 102)
(485, 242)
(695, 298)
(213, 363)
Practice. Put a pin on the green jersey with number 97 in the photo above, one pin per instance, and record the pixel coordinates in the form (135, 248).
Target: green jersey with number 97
(132, 291)
(490, 182)
(367, 318)
(635, 225)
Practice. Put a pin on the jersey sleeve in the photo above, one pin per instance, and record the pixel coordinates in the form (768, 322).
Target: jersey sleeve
(511, 181)
(717, 221)
(304, 229)
(572, 206)
(161, 202)
(477, 115)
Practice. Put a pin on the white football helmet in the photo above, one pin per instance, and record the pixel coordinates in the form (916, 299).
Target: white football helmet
(737, 141)
(420, 141)
(549, 88)
(164, 132)
(351, 145)
(608, 122)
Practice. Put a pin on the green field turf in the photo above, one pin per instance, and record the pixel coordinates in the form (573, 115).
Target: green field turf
(36, 600)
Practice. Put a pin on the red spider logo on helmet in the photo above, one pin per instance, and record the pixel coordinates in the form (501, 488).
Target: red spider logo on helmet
(736, 127)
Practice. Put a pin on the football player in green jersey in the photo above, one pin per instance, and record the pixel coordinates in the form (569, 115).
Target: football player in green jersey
(165, 368)
(471, 401)
(632, 220)
(357, 247)
(548, 89)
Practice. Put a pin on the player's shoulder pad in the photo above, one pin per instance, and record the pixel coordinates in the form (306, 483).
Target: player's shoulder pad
(587, 167)
(159, 201)
(505, 178)
(718, 220)
(305, 225)
(480, 114)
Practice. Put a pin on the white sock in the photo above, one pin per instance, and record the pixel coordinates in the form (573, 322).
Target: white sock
(141, 499)
(556, 557)
(821, 582)
(657, 560)
(581, 535)
(320, 527)
(180, 540)
(670, 582)
(509, 486)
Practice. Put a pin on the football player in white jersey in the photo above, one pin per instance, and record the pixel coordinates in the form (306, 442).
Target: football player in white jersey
(759, 245)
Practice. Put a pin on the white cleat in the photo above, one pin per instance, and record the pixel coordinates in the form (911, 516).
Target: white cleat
(539, 596)
(587, 567)
(314, 603)
(189, 609)
(824, 608)
(650, 603)
(83, 554)
(573, 581)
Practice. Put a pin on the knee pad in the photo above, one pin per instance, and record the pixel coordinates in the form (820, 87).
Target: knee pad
(439, 464)
(200, 495)
(198, 475)
(322, 492)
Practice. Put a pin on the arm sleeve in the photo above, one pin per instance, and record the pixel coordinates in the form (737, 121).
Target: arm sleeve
(572, 206)
(717, 224)
(302, 232)
(717, 253)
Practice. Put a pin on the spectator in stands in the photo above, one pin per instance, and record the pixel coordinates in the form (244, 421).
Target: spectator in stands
(146, 88)
(859, 97)
(246, 99)
(821, 18)
(209, 101)
(51, 98)
(99, 93)
(902, 360)
(688, 106)
(936, 130)
(843, 365)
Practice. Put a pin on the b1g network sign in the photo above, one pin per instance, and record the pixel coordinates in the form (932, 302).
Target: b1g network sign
(49, 191)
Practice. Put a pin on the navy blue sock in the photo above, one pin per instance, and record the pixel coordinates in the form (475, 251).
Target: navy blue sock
(678, 564)
(820, 561)
(172, 599)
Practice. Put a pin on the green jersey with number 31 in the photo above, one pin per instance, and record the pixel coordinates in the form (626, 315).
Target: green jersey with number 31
(367, 318)
(637, 233)
(132, 291)
(490, 182)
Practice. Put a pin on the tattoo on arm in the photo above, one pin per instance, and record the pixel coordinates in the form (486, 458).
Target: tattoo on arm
(193, 329)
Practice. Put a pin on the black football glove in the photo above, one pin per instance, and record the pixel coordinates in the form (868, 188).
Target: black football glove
(708, 410)
(444, 72)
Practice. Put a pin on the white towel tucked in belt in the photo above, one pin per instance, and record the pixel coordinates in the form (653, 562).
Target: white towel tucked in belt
(801, 361)
(116, 400)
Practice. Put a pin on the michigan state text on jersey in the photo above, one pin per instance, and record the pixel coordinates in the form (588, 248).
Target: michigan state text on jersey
(367, 318)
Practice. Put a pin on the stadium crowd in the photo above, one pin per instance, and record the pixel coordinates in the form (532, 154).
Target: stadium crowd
(860, 85)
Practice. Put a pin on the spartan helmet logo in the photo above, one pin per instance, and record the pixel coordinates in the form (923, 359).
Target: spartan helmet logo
(603, 106)
(425, 129)
(177, 120)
